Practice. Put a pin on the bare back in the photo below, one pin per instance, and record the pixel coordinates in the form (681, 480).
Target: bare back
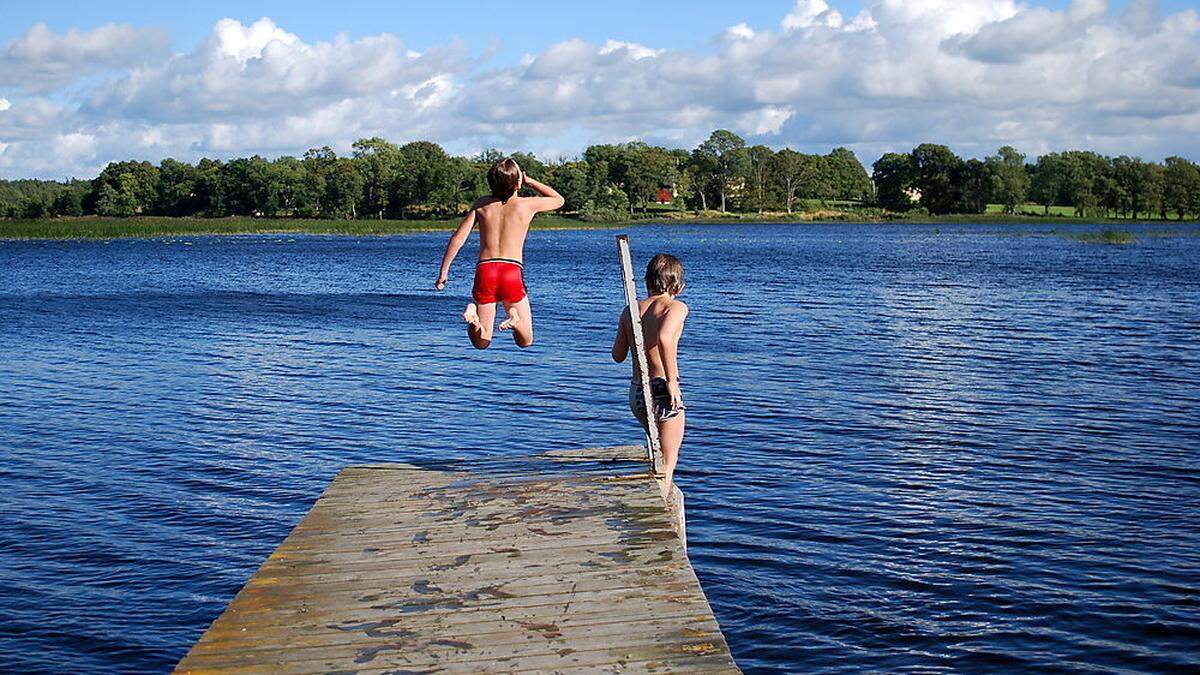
(662, 322)
(503, 227)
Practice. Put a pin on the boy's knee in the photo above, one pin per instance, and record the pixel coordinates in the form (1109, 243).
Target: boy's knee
(523, 343)
(481, 343)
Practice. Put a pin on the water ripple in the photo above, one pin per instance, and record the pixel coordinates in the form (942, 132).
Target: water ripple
(909, 449)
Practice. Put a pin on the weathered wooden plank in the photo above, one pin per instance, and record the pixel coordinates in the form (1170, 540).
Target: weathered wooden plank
(448, 609)
(396, 569)
(486, 630)
(638, 349)
(586, 557)
(505, 584)
(618, 453)
(429, 648)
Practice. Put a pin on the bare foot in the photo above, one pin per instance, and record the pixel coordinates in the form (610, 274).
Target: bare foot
(471, 315)
(512, 317)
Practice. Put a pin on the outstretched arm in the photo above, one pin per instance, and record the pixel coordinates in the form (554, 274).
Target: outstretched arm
(669, 344)
(452, 247)
(620, 348)
(549, 200)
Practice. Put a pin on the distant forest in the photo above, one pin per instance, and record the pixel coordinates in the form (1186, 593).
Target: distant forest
(617, 182)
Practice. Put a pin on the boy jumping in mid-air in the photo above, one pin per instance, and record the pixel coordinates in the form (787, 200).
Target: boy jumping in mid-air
(503, 220)
(662, 324)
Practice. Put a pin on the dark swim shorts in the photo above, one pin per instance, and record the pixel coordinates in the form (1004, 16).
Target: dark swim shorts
(661, 396)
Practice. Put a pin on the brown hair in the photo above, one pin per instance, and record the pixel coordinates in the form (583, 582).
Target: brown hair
(664, 274)
(504, 178)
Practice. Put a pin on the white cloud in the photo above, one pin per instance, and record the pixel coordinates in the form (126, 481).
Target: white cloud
(256, 71)
(765, 121)
(243, 43)
(810, 13)
(4, 104)
(739, 32)
(975, 74)
(42, 60)
(633, 50)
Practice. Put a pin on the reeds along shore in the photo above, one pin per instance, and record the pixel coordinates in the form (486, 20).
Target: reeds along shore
(97, 228)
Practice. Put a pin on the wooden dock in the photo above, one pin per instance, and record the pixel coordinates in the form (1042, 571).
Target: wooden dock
(403, 570)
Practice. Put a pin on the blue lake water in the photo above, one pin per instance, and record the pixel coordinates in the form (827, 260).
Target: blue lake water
(924, 448)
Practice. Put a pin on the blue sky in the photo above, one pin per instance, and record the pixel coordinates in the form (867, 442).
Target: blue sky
(85, 84)
(532, 27)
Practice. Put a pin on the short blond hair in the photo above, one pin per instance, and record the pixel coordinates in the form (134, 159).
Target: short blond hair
(664, 274)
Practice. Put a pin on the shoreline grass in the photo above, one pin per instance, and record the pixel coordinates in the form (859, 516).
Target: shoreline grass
(94, 227)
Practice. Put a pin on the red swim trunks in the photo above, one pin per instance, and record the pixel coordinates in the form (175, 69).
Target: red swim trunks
(498, 279)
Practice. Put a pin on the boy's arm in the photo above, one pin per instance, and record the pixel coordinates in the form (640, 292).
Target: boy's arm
(672, 329)
(549, 200)
(620, 348)
(452, 247)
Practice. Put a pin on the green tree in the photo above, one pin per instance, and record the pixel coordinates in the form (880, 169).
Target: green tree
(208, 196)
(247, 187)
(1181, 187)
(1010, 180)
(650, 168)
(34, 207)
(376, 160)
(126, 188)
(702, 171)
(758, 164)
(296, 192)
(846, 177)
(976, 185)
(118, 198)
(787, 172)
(1049, 179)
(1140, 185)
(937, 173)
(726, 151)
(609, 205)
(69, 202)
(893, 175)
(176, 195)
(343, 186)
(422, 169)
(575, 182)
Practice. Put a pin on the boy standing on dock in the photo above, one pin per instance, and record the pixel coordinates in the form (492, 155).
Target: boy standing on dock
(503, 220)
(662, 325)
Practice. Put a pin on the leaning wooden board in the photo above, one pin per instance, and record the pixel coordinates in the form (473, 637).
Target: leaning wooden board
(402, 570)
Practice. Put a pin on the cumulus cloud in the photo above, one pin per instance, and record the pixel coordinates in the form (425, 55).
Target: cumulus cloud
(258, 71)
(975, 74)
(42, 60)
(632, 50)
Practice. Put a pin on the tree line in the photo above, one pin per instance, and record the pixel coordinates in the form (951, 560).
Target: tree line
(932, 177)
(379, 179)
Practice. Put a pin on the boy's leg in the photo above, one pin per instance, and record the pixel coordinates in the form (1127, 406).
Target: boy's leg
(520, 321)
(480, 319)
(670, 438)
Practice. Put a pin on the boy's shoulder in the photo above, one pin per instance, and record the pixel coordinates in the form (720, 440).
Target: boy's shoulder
(675, 306)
